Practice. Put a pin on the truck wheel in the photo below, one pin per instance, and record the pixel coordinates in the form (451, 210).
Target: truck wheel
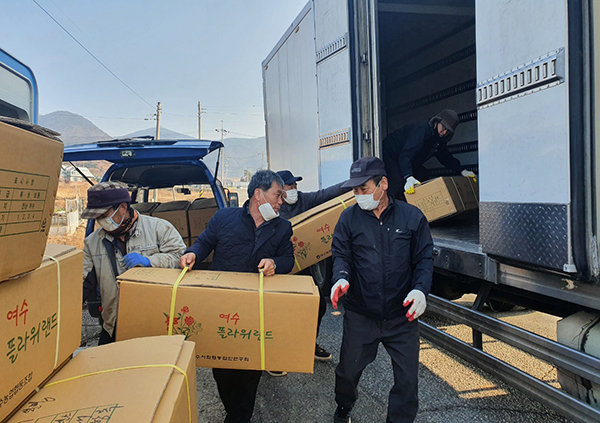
(498, 306)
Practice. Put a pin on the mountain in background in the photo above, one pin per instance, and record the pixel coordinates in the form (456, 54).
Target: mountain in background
(74, 129)
(241, 154)
(165, 134)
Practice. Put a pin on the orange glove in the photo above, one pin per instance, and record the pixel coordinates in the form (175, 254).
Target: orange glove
(339, 289)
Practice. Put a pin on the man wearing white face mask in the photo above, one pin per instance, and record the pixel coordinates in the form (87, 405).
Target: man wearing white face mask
(124, 240)
(295, 203)
(383, 266)
(250, 238)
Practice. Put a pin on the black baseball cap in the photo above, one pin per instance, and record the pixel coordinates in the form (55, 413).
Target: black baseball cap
(288, 177)
(364, 169)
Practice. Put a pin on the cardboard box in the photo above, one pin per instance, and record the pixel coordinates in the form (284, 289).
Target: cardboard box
(444, 197)
(29, 171)
(145, 394)
(145, 208)
(176, 213)
(219, 311)
(36, 336)
(199, 214)
(313, 231)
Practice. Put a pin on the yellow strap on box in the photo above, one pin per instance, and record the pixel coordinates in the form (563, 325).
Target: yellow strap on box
(57, 311)
(297, 264)
(174, 299)
(343, 203)
(261, 311)
(147, 366)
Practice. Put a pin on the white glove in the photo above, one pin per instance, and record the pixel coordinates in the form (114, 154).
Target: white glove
(409, 186)
(419, 304)
(468, 174)
(337, 290)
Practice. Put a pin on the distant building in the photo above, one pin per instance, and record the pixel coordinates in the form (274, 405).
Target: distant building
(70, 174)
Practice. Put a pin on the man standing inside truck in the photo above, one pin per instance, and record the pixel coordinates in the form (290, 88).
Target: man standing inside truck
(406, 149)
(251, 238)
(382, 263)
(295, 203)
(124, 240)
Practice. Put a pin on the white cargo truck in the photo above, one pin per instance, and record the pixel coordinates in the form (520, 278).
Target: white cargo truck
(522, 77)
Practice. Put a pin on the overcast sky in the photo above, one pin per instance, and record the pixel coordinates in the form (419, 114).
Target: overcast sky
(176, 52)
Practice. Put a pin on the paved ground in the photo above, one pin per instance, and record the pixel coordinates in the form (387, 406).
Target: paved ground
(450, 389)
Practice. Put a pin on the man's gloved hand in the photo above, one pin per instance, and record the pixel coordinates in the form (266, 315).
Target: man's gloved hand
(419, 304)
(134, 259)
(337, 290)
(409, 186)
(468, 174)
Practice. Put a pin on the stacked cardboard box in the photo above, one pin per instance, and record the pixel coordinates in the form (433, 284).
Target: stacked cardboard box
(176, 213)
(199, 214)
(444, 197)
(131, 381)
(220, 312)
(313, 231)
(40, 323)
(29, 171)
(145, 208)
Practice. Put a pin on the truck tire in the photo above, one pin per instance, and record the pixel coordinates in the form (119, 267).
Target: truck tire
(498, 306)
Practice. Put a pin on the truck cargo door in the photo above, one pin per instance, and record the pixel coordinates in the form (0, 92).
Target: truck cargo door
(530, 131)
(334, 97)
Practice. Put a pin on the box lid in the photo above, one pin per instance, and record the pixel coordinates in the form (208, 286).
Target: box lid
(203, 203)
(135, 391)
(173, 206)
(321, 208)
(217, 279)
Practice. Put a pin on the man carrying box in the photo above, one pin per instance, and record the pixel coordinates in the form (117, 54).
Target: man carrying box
(406, 149)
(136, 240)
(251, 238)
(382, 261)
(297, 202)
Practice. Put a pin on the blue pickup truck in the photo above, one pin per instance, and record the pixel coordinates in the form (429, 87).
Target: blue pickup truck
(145, 164)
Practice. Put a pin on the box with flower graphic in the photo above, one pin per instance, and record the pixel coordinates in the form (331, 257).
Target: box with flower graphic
(313, 231)
(220, 312)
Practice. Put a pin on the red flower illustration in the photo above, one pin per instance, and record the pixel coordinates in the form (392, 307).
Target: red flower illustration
(185, 309)
(175, 321)
(301, 244)
(294, 239)
(189, 320)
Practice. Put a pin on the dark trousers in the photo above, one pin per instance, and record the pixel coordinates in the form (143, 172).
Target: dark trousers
(105, 338)
(361, 338)
(237, 389)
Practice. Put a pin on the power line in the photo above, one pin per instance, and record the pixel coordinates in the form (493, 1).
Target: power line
(91, 54)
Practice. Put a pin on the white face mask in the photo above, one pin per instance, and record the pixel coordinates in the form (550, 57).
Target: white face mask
(367, 202)
(108, 224)
(291, 196)
(266, 210)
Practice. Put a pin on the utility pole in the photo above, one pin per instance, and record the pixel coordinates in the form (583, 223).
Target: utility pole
(158, 110)
(223, 133)
(199, 121)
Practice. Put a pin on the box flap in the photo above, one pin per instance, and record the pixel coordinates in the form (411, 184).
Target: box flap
(134, 395)
(321, 208)
(173, 206)
(218, 279)
(56, 250)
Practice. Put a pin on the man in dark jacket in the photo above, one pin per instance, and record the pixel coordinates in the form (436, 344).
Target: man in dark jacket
(295, 203)
(246, 239)
(382, 262)
(406, 149)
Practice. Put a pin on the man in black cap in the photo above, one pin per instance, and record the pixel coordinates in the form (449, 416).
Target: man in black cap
(382, 263)
(296, 202)
(406, 149)
(124, 240)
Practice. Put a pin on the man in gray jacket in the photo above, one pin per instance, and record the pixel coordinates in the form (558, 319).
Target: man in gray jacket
(124, 240)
